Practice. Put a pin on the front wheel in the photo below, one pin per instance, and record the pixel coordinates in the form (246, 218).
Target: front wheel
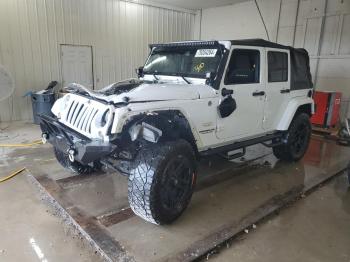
(298, 138)
(162, 180)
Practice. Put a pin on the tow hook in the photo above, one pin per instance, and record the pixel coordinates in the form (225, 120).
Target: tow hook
(44, 137)
(71, 154)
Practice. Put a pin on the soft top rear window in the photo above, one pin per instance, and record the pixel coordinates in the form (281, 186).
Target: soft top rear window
(300, 67)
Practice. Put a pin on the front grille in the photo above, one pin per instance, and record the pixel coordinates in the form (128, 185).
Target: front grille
(80, 115)
(86, 116)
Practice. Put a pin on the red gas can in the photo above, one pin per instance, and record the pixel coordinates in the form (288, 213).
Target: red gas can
(327, 108)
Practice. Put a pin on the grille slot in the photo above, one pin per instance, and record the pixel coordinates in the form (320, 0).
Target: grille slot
(76, 114)
(90, 123)
(86, 118)
(82, 117)
(69, 110)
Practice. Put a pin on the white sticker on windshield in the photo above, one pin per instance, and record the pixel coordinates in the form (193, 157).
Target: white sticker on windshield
(206, 53)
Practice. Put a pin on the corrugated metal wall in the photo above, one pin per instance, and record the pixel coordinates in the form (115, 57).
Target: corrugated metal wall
(323, 28)
(119, 32)
(320, 26)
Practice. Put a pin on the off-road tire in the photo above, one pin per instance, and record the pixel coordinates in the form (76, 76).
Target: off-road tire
(297, 139)
(159, 171)
(74, 167)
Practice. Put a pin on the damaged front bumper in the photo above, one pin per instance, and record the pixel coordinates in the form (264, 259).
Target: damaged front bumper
(79, 147)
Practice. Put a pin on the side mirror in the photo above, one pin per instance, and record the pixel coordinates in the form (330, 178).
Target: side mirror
(226, 92)
(139, 71)
(210, 77)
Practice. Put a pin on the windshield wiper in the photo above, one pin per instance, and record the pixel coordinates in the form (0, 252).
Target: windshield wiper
(186, 80)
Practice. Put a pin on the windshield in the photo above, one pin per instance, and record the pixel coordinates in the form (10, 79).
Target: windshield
(184, 61)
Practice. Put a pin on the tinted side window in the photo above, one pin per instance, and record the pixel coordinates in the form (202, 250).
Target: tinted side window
(277, 66)
(244, 67)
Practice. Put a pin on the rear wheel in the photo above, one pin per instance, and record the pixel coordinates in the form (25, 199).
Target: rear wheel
(74, 167)
(298, 138)
(162, 180)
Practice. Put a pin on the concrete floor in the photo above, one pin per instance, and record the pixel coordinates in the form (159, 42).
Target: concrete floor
(29, 230)
(40, 235)
(316, 228)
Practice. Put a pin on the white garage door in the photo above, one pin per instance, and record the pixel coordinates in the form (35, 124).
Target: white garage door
(77, 65)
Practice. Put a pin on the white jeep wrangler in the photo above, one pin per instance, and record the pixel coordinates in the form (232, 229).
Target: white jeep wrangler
(191, 99)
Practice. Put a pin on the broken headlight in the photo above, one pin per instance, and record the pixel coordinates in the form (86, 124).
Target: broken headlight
(147, 131)
(66, 102)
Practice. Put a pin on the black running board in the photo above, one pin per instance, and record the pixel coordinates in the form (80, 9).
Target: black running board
(234, 156)
(276, 139)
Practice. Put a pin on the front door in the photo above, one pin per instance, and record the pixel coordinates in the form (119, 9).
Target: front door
(77, 65)
(244, 75)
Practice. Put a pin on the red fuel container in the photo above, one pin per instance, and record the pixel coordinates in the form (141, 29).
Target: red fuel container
(327, 108)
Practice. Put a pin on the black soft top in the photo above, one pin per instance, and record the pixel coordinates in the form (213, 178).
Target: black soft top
(300, 62)
(259, 42)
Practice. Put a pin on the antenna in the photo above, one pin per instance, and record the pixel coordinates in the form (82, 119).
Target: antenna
(262, 19)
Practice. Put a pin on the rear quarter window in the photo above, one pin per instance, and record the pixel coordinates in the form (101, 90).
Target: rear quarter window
(277, 66)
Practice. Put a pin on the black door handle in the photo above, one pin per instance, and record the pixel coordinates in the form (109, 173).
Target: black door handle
(261, 93)
(285, 91)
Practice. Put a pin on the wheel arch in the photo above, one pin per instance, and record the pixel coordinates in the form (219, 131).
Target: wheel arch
(306, 108)
(295, 107)
(173, 124)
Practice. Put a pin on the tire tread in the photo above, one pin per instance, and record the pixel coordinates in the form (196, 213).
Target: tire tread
(144, 175)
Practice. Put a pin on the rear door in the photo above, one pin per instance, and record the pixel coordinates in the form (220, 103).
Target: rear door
(245, 76)
(277, 86)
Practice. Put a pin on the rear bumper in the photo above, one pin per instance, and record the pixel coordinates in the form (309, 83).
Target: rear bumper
(85, 150)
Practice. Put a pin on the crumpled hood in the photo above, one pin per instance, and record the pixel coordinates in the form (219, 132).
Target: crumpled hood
(159, 92)
(163, 92)
(145, 92)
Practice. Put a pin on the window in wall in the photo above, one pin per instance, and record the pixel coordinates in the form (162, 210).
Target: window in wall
(277, 66)
(244, 67)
